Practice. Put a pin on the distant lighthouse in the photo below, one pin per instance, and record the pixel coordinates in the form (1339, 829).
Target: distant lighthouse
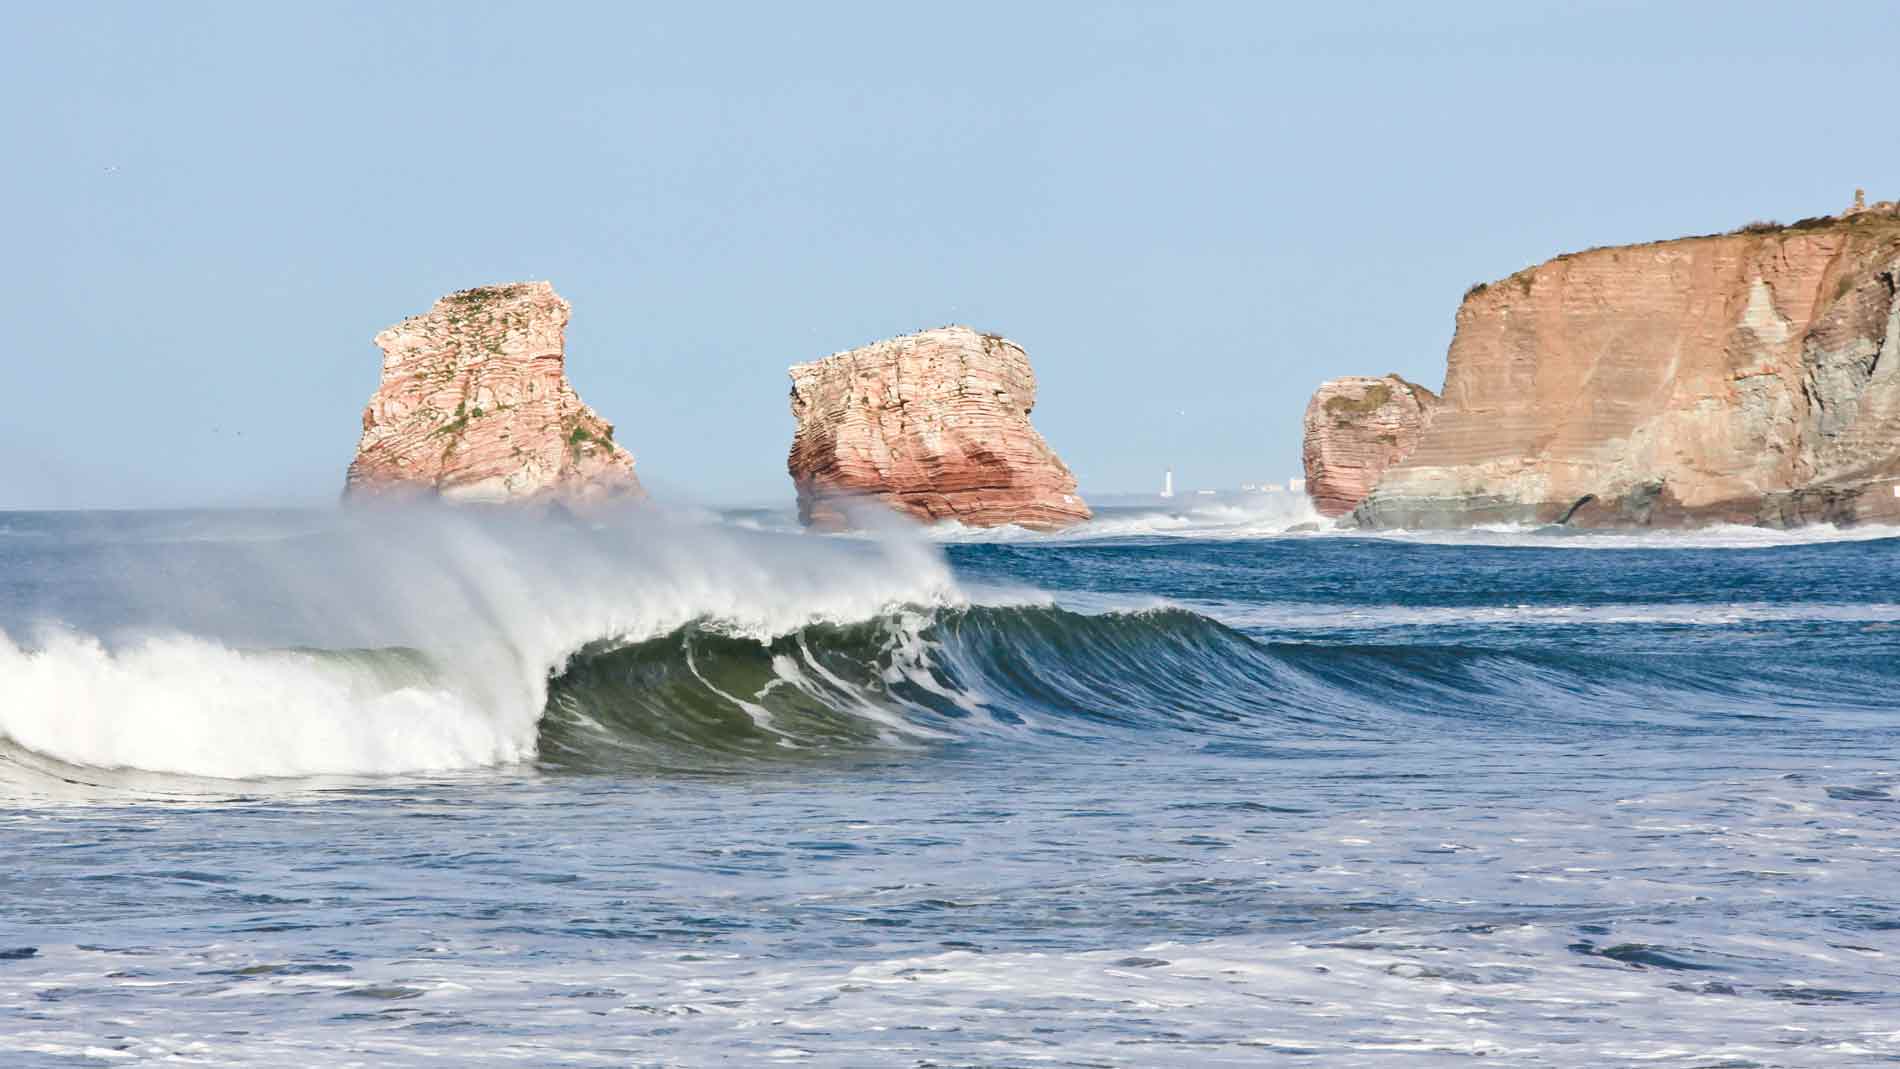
(1167, 484)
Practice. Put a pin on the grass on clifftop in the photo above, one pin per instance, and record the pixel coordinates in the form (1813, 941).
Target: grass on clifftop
(484, 294)
(1876, 220)
(1369, 401)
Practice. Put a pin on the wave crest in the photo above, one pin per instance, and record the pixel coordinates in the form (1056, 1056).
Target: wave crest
(232, 658)
(431, 642)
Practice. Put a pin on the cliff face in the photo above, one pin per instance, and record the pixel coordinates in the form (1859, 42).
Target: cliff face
(935, 425)
(1751, 377)
(1356, 428)
(475, 405)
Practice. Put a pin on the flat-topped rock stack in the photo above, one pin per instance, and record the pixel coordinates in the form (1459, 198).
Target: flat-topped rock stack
(934, 425)
(475, 405)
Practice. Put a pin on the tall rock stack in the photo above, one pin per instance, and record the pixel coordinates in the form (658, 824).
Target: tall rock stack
(475, 405)
(1356, 428)
(934, 425)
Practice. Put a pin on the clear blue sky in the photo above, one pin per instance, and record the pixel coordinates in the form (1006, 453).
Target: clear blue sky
(1189, 214)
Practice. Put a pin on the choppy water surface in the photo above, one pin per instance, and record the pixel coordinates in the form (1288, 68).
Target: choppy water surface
(301, 789)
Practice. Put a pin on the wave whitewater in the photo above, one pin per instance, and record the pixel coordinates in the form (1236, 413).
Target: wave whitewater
(391, 642)
(707, 695)
(431, 642)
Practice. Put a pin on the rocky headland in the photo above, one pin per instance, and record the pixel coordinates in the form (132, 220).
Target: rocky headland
(475, 406)
(1356, 428)
(1751, 377)
(934, 425)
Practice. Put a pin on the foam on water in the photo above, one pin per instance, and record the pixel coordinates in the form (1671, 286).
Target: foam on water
(405, 642)
(1254, 516)
(1208, 916)
(1306, 617)
(1720, 536)
(196, 707)
(1150, 800)
(1284, 515)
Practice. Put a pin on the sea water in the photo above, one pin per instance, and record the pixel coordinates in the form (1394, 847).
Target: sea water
(1177, 788)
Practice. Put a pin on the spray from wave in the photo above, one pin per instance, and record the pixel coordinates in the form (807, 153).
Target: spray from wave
(395, 642)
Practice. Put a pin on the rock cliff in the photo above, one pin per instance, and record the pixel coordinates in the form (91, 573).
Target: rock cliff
(475, 405)
(1356, 428)
(935, 425)
(1750, 377)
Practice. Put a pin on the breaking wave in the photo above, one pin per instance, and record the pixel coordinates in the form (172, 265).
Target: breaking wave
(392, 642)
(708, 695)
(431, 642)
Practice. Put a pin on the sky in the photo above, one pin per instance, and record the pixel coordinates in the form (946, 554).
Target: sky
(1189, 215)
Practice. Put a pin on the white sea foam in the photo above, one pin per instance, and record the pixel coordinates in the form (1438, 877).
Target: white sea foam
(194, 706)
(1637, 916)
(257, 682)
(1293, 516)
(1314, 616)
(1254, 516)
(1725, 536)
(1283, 515)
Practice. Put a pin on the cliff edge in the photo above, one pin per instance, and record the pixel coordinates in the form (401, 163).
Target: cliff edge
(934, 425)
(1750, 377)
(474, 405)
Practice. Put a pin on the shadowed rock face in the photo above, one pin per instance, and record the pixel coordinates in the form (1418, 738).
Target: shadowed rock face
(475, 405)
(935, 425)
(1747, 378)
(1356, 428)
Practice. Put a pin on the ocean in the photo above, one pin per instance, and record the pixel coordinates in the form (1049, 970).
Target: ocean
(1183, 787)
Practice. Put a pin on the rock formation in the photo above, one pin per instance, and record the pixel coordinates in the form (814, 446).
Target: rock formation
(935, 425)
(1750, 377)
(1357, 427)
(475, 405)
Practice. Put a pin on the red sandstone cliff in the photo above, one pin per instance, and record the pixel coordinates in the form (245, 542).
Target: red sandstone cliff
(1356, 428)
(1751, 377)
(475, 405)
(935, 425)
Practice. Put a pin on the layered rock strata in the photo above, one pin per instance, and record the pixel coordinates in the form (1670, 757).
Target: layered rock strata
(1356, 428)
(1750, 377)
(475, 405)
(934, 425)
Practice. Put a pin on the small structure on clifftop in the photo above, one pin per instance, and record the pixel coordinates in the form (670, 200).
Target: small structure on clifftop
(934, 425)
(474, 405)
(1861, 207)
(1356, 428)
